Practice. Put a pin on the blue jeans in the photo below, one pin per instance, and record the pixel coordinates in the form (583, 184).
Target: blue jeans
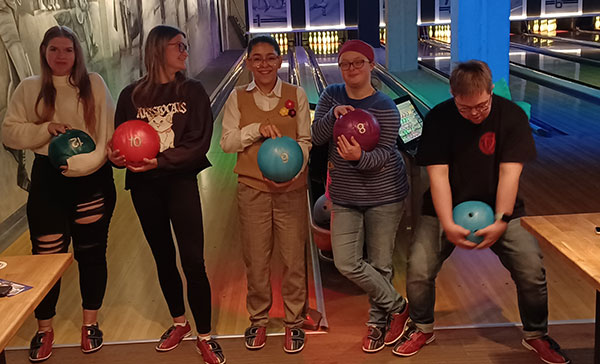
(518, 251)
(351, 229)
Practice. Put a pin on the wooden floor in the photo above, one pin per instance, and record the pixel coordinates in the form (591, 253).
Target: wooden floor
(462, 346)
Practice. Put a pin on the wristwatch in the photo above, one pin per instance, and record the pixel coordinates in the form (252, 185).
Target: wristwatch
(502, 216)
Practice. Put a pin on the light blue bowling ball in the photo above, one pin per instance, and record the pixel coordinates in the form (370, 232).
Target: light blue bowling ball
(280, 159)
(473, 216)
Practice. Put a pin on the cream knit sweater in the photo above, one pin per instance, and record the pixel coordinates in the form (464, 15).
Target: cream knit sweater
(19, 130)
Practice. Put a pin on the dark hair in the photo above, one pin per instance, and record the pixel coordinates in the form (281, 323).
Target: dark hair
(154, 60)
(471, 77)
(78, 78)
(264, 39)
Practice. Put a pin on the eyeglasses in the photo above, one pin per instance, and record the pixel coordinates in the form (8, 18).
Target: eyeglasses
(271, 60)
(357, 64)
(479, 108)
(182, 46)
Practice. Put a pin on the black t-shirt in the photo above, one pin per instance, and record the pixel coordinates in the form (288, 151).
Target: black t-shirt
(184, 123)
(473, 152)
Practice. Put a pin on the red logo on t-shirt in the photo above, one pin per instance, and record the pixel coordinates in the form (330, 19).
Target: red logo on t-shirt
(487, 143)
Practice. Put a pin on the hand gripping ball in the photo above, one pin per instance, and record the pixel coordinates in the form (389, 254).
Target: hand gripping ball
(136, 140)
(68, 144)
(280, 159)
(361, 125)
(473, 216)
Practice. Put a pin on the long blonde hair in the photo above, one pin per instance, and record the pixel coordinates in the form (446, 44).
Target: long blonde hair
(78, 78)
(154, 60)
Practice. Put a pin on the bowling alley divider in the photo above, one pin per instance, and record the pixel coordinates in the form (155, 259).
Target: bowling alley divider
(501, 89)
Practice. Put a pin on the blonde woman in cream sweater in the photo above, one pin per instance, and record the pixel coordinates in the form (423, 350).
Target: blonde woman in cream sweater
(74, 203)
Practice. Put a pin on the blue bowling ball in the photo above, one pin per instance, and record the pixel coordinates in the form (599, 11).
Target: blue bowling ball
(322, 212)
(473, 216)
(280, 159)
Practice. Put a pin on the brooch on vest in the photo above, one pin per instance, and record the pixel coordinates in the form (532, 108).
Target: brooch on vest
(288, 109)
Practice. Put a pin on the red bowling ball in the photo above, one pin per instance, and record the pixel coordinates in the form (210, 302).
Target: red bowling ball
(359, 124)
(136, 140)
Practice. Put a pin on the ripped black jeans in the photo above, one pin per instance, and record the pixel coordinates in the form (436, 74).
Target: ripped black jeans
(63, 209)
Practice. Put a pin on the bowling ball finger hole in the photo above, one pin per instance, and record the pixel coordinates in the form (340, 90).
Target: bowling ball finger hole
(470, 214)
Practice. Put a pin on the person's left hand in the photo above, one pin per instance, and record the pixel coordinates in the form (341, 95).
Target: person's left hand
(144, 166)
(348, 150)
(491, 234)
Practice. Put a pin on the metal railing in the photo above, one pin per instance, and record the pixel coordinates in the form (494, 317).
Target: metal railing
(293, 70)
(390, 81)
(318, 76)
(294, 78)
(222, 91)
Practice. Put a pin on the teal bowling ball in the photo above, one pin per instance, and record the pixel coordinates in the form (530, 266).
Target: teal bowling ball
(473, 216)
(70, 143)
(280, 159)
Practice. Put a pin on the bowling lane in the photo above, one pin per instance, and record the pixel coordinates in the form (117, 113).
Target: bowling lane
(586, 74)
(436, 55)
(559, 46)
(586, 36)
(571, 61)
(562, 111)
(329, 67)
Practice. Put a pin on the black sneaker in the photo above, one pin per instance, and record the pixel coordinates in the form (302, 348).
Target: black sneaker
(91, 338)
(375, 339)
(40, 347)
(255, 337)
(294, 340)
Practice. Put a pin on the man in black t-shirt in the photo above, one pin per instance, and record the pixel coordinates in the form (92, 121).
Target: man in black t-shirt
(474, 147)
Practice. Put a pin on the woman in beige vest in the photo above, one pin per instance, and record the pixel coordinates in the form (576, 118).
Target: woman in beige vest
(270, 213)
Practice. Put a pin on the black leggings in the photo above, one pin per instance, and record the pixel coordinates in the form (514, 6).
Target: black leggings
(54, 205)
(176, 200)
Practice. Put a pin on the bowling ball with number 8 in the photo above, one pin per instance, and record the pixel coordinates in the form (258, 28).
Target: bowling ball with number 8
(359, 124)
(68, 144)
(136, 140)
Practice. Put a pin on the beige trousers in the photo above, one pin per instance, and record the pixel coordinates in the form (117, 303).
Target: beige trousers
(268, 219)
